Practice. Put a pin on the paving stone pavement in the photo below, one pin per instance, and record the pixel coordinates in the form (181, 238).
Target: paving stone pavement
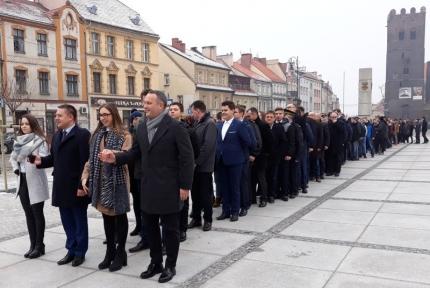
(370, 227)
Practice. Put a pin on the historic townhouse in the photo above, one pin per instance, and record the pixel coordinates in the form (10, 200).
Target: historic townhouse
(261, 84)
(189, 75)
(121, 55)
(279, 85)
(41, 51)
(240, 83)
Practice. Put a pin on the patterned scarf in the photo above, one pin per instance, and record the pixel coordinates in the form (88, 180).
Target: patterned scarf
(110, 175)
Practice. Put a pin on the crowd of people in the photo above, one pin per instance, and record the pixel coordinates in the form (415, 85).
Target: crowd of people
(164, 157)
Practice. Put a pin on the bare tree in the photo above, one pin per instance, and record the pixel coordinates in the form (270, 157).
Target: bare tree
(14, 94)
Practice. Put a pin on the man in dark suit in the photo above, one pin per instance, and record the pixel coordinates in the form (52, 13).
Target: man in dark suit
(232, 138)
(260, 164)
(69, 153)
(274, 160)
(167, 156)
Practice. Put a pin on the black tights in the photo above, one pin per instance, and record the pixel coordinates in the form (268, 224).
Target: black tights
(115, 226)
(33, 214)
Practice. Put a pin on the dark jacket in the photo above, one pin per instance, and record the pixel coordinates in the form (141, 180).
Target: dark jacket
(167, 165)
(356, 132)
(204, 141)
(68, 157)
(326, 135)
(279, 138)
(254, 131)
(424, 125)
(337, 137)
(266, 136)
(291, 145)
(232, 149)
(318, 144)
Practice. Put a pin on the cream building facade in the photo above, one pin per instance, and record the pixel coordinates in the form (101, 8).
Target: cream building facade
(189, 75)
(34, 43)
(121, 55)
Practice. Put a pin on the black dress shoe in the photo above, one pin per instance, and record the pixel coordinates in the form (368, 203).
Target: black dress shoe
(28, 252)
(262, 204)
(78, 260)
(336, 174)
(271, 200)
(318, 180)
(182, 236)
(284, 198)
(292, 196)
(152, 270)
(222, 216)
(243, 212)
(67, 259)
(135, 232)
(207, 226)
(167, 275)
(234, 217)
(139, 247)
(37, 252)
(304, 191)
(119, 261)
(194, 223)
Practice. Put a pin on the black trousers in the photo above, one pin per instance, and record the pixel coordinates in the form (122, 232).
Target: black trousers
(116, 229)
(202, 193)
(273, 178)
(245, 186)
(170, 224)
(322, 163)
(183, 217)
(290, 177)
(33, 214)
(333, 162)
(258, 175)
(424, 132)
(135, 193)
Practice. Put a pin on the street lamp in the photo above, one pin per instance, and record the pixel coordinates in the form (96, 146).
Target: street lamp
(296, 100)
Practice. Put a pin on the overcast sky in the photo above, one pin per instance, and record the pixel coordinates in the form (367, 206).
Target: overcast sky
(330, 36)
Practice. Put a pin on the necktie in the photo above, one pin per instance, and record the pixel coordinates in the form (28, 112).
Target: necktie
(63, 135)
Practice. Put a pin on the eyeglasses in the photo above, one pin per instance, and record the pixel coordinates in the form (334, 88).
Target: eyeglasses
(104, 114)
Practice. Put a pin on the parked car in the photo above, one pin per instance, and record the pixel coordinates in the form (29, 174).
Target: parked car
(8, 143)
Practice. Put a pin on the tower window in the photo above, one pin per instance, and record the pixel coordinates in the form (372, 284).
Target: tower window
(413, 35)
(401, 35)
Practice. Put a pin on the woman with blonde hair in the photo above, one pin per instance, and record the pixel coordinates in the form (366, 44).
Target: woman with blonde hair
(108, 184)
(32, 182)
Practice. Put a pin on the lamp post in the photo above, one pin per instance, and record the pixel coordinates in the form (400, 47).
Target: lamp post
(296, 100)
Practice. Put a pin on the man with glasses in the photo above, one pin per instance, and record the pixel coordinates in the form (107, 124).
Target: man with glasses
(334, 151)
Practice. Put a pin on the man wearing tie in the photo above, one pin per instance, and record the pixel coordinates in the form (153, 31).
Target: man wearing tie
(232, 140)
(69, 153)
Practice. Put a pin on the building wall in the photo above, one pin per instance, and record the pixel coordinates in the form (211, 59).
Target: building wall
(247, 101)
(405, 63)
(180, 83)
(212, 99)
(120, 66)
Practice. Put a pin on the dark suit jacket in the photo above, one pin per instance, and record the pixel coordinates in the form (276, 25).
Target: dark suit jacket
(232, 148)
(68, 157)
(167, 165)
(279, 142)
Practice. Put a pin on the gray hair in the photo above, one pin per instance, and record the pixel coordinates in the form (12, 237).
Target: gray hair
(160, 96)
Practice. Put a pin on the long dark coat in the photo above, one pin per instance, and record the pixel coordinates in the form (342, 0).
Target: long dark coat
(68, 157)
(167, 165)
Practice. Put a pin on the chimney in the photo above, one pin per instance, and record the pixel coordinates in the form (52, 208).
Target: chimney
(209, 52)
(228, 59)
(178, 44)
(245, 60)
(261, 60)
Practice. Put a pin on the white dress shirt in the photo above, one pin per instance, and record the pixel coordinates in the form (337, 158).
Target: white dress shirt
(225, 127)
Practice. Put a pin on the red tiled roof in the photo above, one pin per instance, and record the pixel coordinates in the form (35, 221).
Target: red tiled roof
(266, 71)
(248, 72)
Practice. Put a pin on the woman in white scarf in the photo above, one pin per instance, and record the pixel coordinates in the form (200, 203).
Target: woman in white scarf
(32, 187)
